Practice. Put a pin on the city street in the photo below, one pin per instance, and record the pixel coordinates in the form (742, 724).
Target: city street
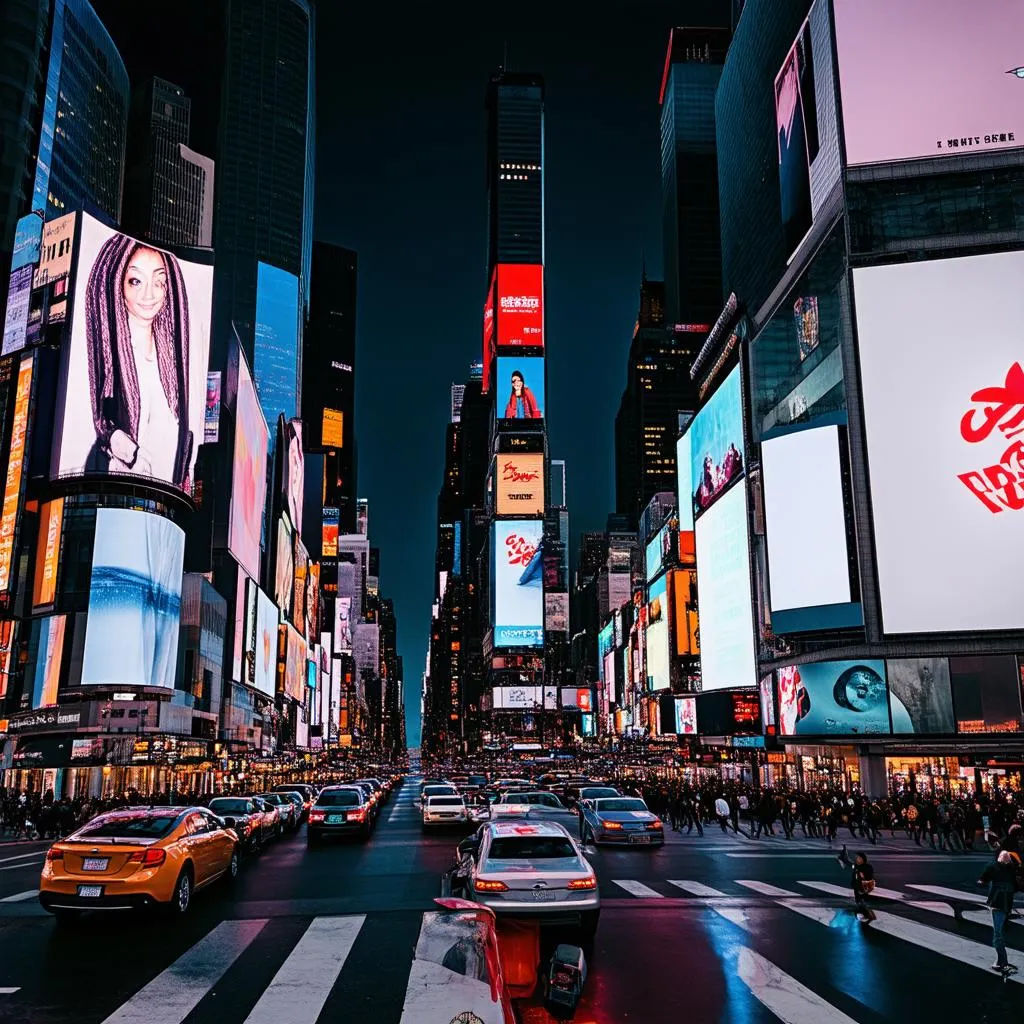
(714, 929)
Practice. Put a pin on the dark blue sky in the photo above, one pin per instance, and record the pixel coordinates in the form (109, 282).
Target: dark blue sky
(401, 178)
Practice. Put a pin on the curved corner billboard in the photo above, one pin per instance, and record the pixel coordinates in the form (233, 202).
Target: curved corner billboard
(517, 582)
(942, 377)
(131, 633)
(134, 392)
(946, 75)
(833, 698)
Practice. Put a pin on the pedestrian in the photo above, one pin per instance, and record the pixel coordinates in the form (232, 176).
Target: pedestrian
(722, 812)
(862, 881)
(1001, 878)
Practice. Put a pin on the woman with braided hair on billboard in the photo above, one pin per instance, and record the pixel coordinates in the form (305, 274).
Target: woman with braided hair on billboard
(137, 338)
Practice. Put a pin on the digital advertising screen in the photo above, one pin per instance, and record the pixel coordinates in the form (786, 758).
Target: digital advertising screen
(211, 414)
(833, 698)
(986, 694)
(729, 713)
(332, 428)
(284, 570)
(265, 668)
(954, 448)
(517, 698)
(519, 485)
(726, 613)
(578, 698)
(658, 635)
(805, 121)
(293, 477)
(294, 669)
(608, 675)
(684, 599)
(46, 652)
(19, 295)
(556, 613)
(920, 696)
(329, 535)
(15, 468)
(249, 474)
(342, 625)
(44, 586)
(805, 520)
(519, 388)
(300, 562)
(684, 477)
(655, 553)
(135, 597)
(768, 702)
(716, 444)
(520, 310)
(887, 57)
(517, 583)
(489, 340)
(275, 362)
(133, 397)
(686, 716)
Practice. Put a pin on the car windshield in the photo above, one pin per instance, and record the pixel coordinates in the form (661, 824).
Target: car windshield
(620, 804)
(275, 798)
(445, 801)
(530, 848)
(594, 794)
(227, 805)
(143, 826)
(438, 791)
(339, 798)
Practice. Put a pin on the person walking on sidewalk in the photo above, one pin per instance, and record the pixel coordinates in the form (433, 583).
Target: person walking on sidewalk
(722, 812)
(1001, 878)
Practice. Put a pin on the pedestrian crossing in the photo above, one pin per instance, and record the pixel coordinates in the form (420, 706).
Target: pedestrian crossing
(297, 970)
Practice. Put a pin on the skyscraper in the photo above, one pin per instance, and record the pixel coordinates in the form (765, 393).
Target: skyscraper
(264, 161)
(689, 174)
(169, 187)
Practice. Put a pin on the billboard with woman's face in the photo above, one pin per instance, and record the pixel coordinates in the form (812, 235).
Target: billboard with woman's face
(134, 395)
(520, 388)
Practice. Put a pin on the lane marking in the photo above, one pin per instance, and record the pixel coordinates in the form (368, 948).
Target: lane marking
(19, 896)
(174, 993)
(637, 888)
(23, 856)
(694, 888)
(782, 994)
(5, 991)
(301, 986)
(885, 894)
(956, 894)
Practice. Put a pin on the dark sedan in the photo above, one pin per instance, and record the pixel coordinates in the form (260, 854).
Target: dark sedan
(244, 817)
(338, 811)
(621, 819)
(289, 809)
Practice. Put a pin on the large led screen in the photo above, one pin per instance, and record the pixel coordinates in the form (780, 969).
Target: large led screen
(945, 460)
(833, 698)
(986, 694)
(920, 695)
(284, 571)
(940, 73)
(293, 478)
(265, 669)
(520, 485)
(517, 583)
(134, 391)
(520, 309)
(294, 668)
(684, 472)
(519, 387)
(716, 444)
(806, 126)
(131, 634)
(726, 614)
(249, 474)
(808, 564)
(686, 716)
(46, 652)
(276, 351)
(658, 635)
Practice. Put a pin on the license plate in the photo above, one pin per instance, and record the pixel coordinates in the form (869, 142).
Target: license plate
(335, 819)
(639, 839)
(543, 894)
(95, 864)
(90, 890)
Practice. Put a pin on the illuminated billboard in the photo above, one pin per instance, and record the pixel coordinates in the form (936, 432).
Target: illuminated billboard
(517, 583)
(332, 428)
(520, 305)
(19, 297)
(833, 698)
(489, 336)
(805, 520)
(657, 635)
(329, 535)
(300, 561)
(265, 667)
(578, 698)
(275, 364)
(520, 485)
(716, 444)
(15, 470)
(686, 716)
(293, 668)
(51, 518)
(556, 613)
(56, 248)
(46, 652)
(684, 476)
(805, 120)
(211, 414)
(343, 625)
(133, 399)
(249, 474)
(726, 613)
(986, 693)
(519, 388)
(659, 553)
(888, 55)
(293, 476)
(284, 570)
(684, 598)
(135, 596)
(952, 450)
(920, 695)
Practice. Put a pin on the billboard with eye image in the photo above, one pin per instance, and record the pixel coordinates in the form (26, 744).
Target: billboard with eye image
(833, 698)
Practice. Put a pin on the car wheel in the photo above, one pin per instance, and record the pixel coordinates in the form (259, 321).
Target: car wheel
(181, 899)
(233, 865)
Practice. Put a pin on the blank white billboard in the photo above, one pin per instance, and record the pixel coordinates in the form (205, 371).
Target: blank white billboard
(723, 580)
(804, 519)
(943, 391)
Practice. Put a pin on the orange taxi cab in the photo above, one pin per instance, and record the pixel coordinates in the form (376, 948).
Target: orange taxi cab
(136, 858)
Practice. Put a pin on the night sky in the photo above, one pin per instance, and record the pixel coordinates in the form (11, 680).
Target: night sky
(401, 160)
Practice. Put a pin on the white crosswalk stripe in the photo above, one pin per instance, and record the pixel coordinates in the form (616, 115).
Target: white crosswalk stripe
(695, 888)
(763, 888)
(637, 888)
(301, 986)
(18, 897)
(172, 995)
(956, 894)
(7, 990)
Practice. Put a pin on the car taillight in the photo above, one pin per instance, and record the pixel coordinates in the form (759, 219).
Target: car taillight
(611, 826)
(357, 815)
(53, 854)
(482, 885)
(590, 882)
(656, 824)
(148, 858)
(316, 815)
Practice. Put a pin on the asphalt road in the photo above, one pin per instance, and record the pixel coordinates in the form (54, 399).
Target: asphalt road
(719, 929)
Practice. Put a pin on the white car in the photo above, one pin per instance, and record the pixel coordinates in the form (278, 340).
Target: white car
(446, 809)
(437, 789)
